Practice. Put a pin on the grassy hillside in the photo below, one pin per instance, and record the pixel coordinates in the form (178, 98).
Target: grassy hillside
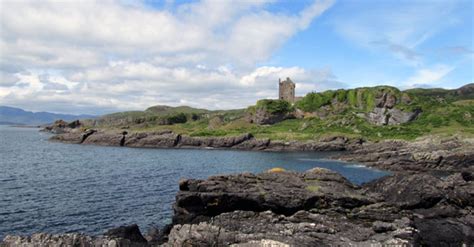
(339, 112)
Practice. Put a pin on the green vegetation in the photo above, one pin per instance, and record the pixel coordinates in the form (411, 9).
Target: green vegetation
(274, 106)
(313, 101)
(444, 112)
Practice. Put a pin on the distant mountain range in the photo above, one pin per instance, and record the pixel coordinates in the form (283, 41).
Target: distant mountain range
(12, 115)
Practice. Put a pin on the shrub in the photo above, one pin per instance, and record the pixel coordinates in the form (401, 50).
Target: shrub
(341, 95)
(352, 97)
(313, 101)
(176, 118)
(274, 106)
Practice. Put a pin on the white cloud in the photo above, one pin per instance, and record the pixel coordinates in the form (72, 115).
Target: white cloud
(427, 76)
(138, 86)
(107, 55)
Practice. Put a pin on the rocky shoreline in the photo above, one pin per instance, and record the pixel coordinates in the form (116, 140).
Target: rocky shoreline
(427, 201)
(452, 154)
(314, 208)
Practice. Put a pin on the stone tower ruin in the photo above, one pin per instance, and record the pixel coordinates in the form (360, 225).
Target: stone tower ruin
(286, 90)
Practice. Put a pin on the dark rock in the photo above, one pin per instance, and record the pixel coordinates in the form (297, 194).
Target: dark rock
(402, 209)
(74, 124)
(446, 231)
(408, 191)
(131, 232)
(283, 193)
(379, 226)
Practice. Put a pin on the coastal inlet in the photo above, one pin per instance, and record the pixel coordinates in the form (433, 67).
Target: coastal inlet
(57, 188)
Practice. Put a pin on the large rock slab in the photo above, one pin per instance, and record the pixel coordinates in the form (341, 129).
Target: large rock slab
(281, 192)
(402, 209)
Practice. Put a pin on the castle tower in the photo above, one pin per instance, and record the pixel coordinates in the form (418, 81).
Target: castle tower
(286, 90)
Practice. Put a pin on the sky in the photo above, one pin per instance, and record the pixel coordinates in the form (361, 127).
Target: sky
(97, 57)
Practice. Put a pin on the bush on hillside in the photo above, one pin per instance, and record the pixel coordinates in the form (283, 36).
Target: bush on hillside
(176, 118)
(274, 106)
(313, 101)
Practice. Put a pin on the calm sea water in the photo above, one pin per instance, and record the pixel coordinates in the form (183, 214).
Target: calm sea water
(55, 188)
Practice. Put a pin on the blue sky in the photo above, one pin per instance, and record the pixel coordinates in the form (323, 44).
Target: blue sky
(98, 57)
(440, 35)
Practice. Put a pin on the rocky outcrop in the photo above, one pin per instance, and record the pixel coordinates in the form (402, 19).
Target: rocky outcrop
(385, 116)
(424, 154)
(320, 208)
(384, 112)
(61, 126)
(283, 193)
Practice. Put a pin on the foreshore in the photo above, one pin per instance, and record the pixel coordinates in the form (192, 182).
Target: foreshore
(413, 206)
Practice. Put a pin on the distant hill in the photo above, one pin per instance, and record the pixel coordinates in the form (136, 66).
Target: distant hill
(12, 115)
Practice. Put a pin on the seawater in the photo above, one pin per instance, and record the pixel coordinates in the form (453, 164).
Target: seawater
(57, 188)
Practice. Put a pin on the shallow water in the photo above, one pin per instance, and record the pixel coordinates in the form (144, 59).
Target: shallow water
(54, 187)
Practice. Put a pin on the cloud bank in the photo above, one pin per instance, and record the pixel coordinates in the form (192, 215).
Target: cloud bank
(103, 56)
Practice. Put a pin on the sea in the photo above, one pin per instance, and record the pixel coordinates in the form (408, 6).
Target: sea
(60, 188)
